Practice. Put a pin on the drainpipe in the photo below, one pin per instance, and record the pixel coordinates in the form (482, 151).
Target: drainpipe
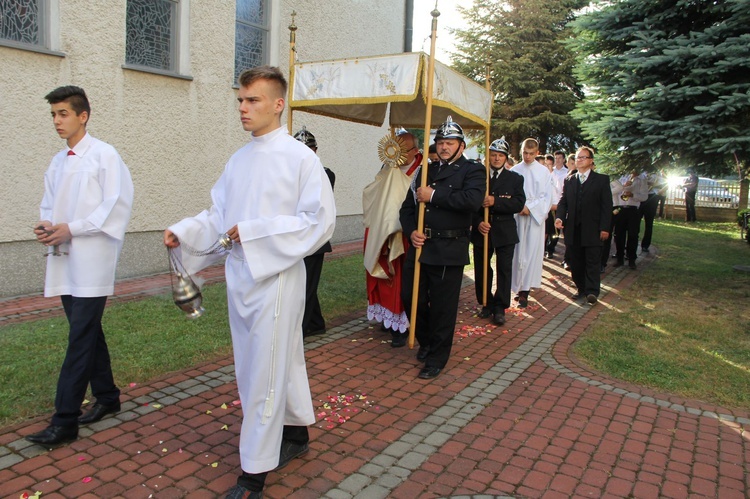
(408, 24)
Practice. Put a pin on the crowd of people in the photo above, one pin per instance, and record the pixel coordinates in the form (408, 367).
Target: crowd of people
(416, 215)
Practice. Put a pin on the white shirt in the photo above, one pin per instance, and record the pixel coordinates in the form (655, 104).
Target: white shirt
(92, 192)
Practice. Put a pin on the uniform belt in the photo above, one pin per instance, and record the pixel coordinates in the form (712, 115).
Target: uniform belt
(445, 234)
(625, 206)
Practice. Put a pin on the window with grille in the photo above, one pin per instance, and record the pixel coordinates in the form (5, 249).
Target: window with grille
(251, 35)
(24, 22)
(151, 34)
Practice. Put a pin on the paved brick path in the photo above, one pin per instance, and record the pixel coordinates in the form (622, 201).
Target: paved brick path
(512, 415)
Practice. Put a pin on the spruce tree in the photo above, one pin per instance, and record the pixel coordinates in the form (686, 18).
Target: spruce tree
(666, 81)
(530, 68)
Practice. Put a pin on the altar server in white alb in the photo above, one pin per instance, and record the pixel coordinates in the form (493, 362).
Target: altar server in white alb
(88, 196)
(275, 202)
(539, 188)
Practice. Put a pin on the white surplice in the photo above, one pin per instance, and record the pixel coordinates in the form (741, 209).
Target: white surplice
(276, 191)
(528, 258)
(90, 190)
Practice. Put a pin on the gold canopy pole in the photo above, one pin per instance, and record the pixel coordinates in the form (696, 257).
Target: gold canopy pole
(486, 263)
(420, 219)
(292, 51)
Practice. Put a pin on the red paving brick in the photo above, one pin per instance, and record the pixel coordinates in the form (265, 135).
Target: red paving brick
(546, 435)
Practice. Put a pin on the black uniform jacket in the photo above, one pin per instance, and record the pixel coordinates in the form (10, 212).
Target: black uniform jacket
(326, 248)
(459, 191)
(588, 211)
(510, 198)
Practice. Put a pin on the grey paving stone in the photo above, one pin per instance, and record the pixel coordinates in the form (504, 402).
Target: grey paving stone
(195, 390)
(374, 492)
(103, 424)
(4, 451)
(19, 444)
(169, 390)
(338, 494)
(33, 451)
(182, 385)
(397, 449)
(383, 460)
(371, 469)
(354, 483)
(168, 400)
(437, 438)
(388, 481)
(412, 460)
(127, 416)
(9, 460)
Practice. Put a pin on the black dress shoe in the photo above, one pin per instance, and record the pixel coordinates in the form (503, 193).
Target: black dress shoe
(54, 435)
(98, 412)
(499, 318)
(429, 372)
(619, 263)
(577, 296)
(591, 298)
(398, 340)
(240, 492)
(423, 353)
(485, 312)
(632, 265)
(523, 299)
(290, 450)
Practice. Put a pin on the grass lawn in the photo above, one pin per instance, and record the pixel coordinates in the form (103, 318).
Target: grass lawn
(146, 339)
(684, 326)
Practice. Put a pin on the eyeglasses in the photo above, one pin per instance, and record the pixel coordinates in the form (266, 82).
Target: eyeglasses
(582, 157)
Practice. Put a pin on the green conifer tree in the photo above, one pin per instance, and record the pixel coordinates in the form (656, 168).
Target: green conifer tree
(530, 68)
(666, 81)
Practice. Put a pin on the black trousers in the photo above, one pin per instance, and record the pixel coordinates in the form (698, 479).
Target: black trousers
(312, 319)
(585, 263)
(607, 245)
(647, 212)
(256, 481)
(627, 226)
(550, 233)
(500, 299)
(86, 361)
(437, 307)
(690, 206)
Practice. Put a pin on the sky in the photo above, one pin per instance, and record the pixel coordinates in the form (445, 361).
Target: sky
(449, 18)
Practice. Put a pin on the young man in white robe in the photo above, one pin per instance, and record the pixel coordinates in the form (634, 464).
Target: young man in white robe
(276, 204)
(528, 258)
(88, 196)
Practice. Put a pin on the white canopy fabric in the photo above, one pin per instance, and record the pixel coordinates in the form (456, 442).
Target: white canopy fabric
(361, 90)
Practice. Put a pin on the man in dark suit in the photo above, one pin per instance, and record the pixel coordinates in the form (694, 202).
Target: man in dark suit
(505, 197)
(585, 213)
(454, 191)
(312, 320)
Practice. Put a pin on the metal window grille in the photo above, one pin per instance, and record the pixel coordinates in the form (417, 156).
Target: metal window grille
(251, 35)
(151, 34)
(24, 22)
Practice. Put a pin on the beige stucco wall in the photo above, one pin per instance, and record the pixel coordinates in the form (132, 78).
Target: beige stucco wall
(174, 134)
